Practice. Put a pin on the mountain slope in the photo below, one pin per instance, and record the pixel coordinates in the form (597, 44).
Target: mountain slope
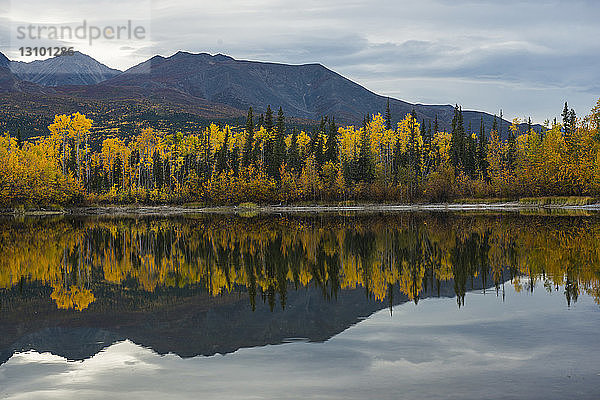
(78, 69)
(9, 83)
(211, 87)
(306, 91)
(4, 62)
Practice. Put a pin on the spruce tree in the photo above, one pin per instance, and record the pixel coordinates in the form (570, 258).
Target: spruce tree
(294, 152)
(365, 170)
(235, 160)
(457, 142)
(512, 150)
(157, 170)
(248, 155)
(261, 121)
(471, 154)
(572, 121)
(388, 116)
(482, 151)
(429, 133)
(331, 149)
(279, 145)
(317, 148)
(269, 120)
(223, 155)
(19, 138)
(565, 117)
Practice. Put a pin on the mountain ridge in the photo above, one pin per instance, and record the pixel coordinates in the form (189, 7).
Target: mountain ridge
(76, 69)
(220, 87)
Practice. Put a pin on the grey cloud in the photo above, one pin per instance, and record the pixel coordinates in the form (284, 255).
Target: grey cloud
(532, 45)
(524, 347)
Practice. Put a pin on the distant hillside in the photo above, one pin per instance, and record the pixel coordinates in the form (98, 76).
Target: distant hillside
(4, 62)
(9, 83)
(77, 69)
(210, 87)
(308, 91)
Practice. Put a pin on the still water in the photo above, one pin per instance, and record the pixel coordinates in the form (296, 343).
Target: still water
(386, 306)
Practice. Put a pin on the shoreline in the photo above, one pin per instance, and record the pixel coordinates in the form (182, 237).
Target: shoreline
(175, 210)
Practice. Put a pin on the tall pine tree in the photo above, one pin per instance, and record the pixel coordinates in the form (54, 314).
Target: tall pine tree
(331, 147)
(248, 154)
(388, 116)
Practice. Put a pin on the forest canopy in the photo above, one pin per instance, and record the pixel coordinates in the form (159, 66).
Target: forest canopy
(264, 161)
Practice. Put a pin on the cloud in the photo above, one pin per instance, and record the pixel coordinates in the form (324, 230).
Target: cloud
(539, 45)
(524, 347)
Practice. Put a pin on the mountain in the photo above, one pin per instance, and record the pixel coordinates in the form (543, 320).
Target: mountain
(4, 62)
(306, 91)
(9, 83)
(76, 69)
(7, 79)
(186, 86)
(188, 324)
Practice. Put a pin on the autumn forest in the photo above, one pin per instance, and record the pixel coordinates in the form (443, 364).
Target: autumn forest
(268, 162)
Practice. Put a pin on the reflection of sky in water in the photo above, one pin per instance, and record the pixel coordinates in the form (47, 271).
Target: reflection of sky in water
(530, 346)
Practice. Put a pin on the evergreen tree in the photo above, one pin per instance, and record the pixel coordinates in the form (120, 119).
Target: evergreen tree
(572, 121)
(457, 142)
(279, 145)
(223, 155)
(471, 154)
(294, 152)
(322, 125)
(482, 152)
(248, 154)
(565, 117)
(261, 121)
(511, 155)
(235, 160)
(429, 133)
(365, 168)
(317, 149)
(157, 170)
(412, 146)
(19, 138)
(388, 116)
(436, 127)
(269, 120)
(331, 148)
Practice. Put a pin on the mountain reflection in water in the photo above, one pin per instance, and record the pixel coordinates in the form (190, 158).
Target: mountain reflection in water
(211, 284)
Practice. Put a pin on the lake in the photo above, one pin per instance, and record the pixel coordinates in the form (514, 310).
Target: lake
(461, 305)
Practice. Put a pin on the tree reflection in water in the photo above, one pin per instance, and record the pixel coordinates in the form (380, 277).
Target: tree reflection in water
(268, 255)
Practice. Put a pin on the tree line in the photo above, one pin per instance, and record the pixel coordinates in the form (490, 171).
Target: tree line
(265, 161)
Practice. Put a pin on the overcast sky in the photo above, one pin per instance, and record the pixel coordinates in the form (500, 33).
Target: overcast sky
(526, 57)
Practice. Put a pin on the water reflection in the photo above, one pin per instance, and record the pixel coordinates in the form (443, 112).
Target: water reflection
(529, 347)
(266, 257)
